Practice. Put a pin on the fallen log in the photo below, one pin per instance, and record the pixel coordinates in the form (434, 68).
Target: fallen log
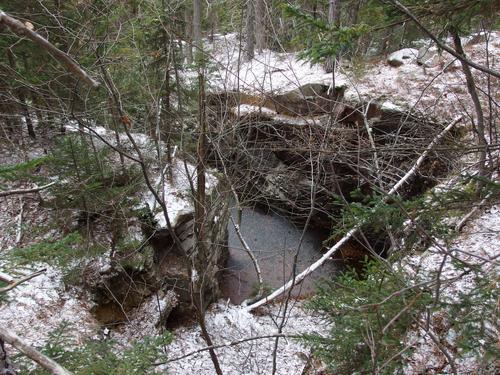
(300, 277)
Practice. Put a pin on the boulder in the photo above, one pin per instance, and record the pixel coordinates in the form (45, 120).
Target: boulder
(403, 56)
(428, 56)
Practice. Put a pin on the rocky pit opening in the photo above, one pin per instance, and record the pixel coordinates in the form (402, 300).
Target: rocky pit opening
(303, 155)
(292, 158)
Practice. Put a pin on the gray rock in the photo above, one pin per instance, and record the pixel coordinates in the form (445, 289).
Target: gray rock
(167, 302)
(428, 56)
(403, 56)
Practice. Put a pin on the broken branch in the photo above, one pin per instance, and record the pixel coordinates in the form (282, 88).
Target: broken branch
(50, 365)
(25, 191)
(13, 282)
(18, 28)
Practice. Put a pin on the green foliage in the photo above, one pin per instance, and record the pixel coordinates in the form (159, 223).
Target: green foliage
(324, 40)
(474, 318)
(428, 212)
(89, 181)
(21, 170)
(363, 308)
(104, 357)
(58, 252)
(134, 254)
(369, 316)
(462, 14)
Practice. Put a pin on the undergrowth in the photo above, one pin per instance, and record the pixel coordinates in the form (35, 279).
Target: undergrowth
(367, 324)
(371, 312)
(101, 356)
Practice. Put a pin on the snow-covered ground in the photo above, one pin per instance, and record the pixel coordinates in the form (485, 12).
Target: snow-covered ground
(439, 90)
(477, 245)
(39, 305)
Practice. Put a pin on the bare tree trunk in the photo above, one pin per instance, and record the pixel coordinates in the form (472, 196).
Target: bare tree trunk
(18, 343)
(27, 116)
(197, 26)
(333, 20)
(167, 124)
(212, 19)
(438, 42)
(21, 97)
(259, 12)
(115, 122)
(200, 217)
(354, 11)
(189, 35)
(471, 88)
(5, 365)
(250, 30)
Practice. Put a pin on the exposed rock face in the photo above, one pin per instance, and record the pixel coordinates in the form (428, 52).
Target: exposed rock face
(316, 158)
(193, 264)
(403, 56)
(126, 282)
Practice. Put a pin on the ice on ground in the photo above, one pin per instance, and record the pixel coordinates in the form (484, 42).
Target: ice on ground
(38, 306)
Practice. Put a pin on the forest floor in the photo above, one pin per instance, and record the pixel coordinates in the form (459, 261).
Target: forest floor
(37, 307)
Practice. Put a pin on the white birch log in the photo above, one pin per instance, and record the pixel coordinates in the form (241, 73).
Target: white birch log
(300, 277)
(50, 365)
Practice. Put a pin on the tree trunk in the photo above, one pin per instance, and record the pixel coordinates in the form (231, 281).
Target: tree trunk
(197, 26)
(471, 88)
(5, 365)
(259, 13)
(333, 20)
(354, 12)
(250, 30)
(200, 217)
(212, 19)
(21, 97)
(189, 35)
(44, 361)
(167, 126)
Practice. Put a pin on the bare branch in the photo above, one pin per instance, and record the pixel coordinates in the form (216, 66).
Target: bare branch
(463, 59)
(25, 191)
(13, 282)
(252, 257)
(18, 28)
(231, 343)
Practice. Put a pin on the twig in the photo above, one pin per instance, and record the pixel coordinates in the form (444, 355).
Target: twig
(252, 257)
(462, 222)
(224, 345)
(13, 282)
(440, 346)
(354, 230)
(18, 28)
(49, 364)
(19, 234)
(25, 191)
